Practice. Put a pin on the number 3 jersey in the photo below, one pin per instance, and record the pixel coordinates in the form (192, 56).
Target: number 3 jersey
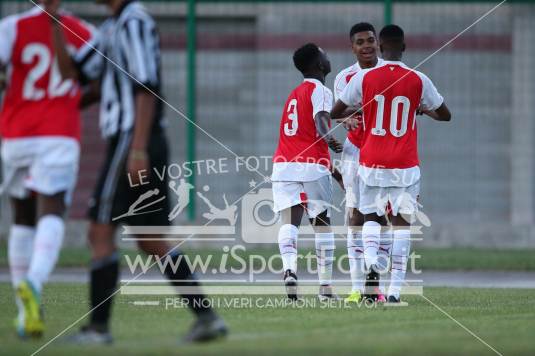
(390, 95)
(37, 102)
(301, 155)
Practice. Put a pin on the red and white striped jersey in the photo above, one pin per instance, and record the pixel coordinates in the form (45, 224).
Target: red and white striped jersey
(37, 102)
(390, 95)
(341, 81)
(301, 154)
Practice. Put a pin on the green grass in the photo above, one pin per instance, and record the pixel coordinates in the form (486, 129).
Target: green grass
(431, 259)
(503, 318)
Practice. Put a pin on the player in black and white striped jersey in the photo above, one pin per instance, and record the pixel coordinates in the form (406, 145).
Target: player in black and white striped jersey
(125, 58)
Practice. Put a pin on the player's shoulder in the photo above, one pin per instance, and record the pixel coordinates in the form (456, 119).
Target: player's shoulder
(345, 74)
(135, 11)
(12, 20)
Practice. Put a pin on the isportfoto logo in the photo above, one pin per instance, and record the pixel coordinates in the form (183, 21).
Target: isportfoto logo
(259, 223)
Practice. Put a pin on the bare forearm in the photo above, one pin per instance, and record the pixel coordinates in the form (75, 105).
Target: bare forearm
(322, 124)
(66, 65)
(145, 106)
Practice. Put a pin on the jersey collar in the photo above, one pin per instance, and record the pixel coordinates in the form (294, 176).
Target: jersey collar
(312, 80)
(399, 63)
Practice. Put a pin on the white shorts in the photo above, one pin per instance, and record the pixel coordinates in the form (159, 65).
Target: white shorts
(403, 200)
(317, 195)
(46, 165)
(350, 167)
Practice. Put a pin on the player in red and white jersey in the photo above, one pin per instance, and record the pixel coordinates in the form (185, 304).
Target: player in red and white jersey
(365, 47)
(389, 169)
(40, 130)
(302, 168)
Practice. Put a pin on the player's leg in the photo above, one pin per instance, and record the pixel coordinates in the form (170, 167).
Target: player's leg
(52, 176)
(20, 248)
(402, 210)
(384, 257)
(355, 253)
(288, 232)
(354, 220)
(104, 265)
(325, 246)
(288, 202)
(318, 209)
(372, 204)
(209, 325)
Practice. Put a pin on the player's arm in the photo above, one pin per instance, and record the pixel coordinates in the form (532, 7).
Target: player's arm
(338, 177)
(66, 65)
(144, 79)
(322, 120)
(432, 102)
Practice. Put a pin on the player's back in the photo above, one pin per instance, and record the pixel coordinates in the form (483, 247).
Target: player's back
(390, 96)
(298, 139)
(37, 101)
(299, 142)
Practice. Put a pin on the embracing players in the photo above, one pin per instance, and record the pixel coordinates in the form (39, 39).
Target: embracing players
(365, 47)
(40, 129)
(302, 168)
(389, 171)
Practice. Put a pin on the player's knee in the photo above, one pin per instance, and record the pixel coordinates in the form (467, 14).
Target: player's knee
(24, 212)
(321, 220)
(355, 218)
(52, 204)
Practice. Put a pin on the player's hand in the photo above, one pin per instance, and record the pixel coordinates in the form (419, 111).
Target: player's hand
(137, 165)
(352, 122)
(338, 177)
(334, 144)
(51, 7)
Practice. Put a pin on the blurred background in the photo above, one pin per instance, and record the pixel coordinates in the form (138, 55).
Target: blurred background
(227, 65)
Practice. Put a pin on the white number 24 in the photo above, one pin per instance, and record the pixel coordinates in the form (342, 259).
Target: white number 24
(290, 128)
(405, 103)
(56, 87)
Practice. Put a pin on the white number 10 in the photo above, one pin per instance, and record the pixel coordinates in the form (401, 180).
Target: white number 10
(405, 103)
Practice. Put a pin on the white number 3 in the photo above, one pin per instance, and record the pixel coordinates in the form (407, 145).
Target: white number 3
(290, 128)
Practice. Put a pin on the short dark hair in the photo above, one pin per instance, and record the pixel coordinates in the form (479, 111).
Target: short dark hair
(361, 27)
(306, 56)
(392, 33)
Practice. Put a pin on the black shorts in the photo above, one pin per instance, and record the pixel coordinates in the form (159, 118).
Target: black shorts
(117, 201)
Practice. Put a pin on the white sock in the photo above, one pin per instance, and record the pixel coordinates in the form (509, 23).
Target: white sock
(400, 256)
(325, 256)
(383, 259)
(20, 247)
(371, 232)
(48, 239)
(355, 253)
(288, 246)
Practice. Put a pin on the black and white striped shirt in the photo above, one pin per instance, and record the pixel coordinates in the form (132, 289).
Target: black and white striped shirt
(130, 42)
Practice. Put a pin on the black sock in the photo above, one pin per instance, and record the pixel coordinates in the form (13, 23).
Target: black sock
(184, 277)
(104, 275)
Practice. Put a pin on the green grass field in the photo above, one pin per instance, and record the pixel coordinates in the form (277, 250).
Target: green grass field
(503, 318)
(431, 259)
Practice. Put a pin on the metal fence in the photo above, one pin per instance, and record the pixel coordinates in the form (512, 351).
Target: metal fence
(227, 66)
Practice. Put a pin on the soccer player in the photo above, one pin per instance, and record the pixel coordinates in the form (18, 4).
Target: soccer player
(365, 47)
(302, 168)
(131, 121)
(40, 130)
(389, 168)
